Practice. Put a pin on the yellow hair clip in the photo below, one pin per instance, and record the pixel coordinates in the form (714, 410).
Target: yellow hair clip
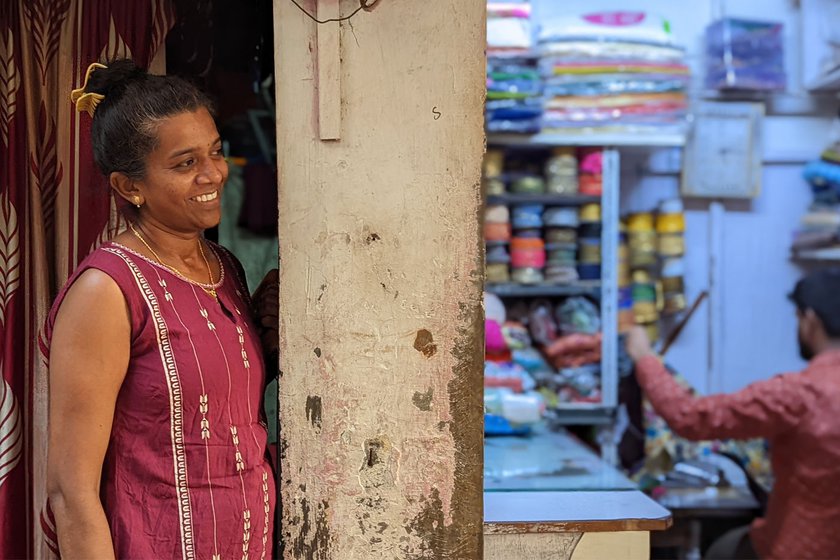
(87, 101)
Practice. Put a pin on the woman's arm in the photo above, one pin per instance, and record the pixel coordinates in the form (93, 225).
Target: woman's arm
(89, 354)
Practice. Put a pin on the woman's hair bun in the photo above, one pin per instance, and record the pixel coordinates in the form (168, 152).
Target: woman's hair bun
(118, 74)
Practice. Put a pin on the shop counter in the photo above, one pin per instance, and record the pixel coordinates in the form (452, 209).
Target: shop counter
(548, 496)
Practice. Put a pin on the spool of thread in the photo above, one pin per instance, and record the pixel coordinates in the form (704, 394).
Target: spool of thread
(561, 172)
(497, 273)
(590, 213)
(528, 185)
(642, 248)
(590, 230)
(589, 250)
(527, 216)
(527, 253)
(561, 235)
(670, 244)
(527, 275)
(497, 231)
(640, 222)
(589, 271)
(497, 214)
(590, 185)
(670, 223)
(497, 254)
(559, 217)
(494, 163)
(493, 186)
(591, 161)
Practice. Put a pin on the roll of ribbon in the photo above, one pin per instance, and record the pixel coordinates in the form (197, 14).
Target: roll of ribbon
(493, 186)
(670, 223)
(527, 253)
(496, 232)
(589, 271)
(561, 235)
(497, 213)
(590, 185)
(527, 275)
(589, 250)
(560, 217)
(527, 216)
(670, 244)
(497, 273)
(590, 230)
(494, 163)
(640, 222)
(528, 185)
(590, 213)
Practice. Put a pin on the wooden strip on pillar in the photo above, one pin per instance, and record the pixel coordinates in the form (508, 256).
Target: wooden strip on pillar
(329, 79)
(381, 315)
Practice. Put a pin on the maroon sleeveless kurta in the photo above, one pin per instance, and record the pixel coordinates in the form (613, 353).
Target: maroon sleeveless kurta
(186, 473)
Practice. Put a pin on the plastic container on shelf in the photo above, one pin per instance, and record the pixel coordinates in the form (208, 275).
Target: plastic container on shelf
(497, 214)
(746, 55)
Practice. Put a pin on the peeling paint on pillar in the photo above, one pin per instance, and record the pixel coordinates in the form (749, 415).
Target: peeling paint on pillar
(381, 289)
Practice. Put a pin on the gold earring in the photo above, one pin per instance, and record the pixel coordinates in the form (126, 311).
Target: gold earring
(137, 202)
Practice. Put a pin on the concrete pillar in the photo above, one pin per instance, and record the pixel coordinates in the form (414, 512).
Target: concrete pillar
(382, 273)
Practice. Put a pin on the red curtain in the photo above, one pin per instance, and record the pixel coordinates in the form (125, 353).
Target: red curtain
(55, 207)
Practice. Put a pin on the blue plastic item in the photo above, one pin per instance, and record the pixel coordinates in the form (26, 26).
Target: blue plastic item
(497, 426)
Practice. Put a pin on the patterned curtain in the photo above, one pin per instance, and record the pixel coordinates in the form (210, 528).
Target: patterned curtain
(55, 208)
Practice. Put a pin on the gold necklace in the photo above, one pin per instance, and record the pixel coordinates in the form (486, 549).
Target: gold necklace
(209, 290)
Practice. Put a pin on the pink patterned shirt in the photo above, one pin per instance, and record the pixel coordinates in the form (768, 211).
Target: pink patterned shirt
(185, 475)
(799, 413)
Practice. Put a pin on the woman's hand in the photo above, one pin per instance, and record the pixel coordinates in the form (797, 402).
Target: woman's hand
(638, 344)
(266, 304)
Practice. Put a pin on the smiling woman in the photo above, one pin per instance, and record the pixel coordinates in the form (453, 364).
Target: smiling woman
(157, 437)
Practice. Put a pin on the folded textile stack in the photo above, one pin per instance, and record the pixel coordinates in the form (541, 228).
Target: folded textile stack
(745, 55)
(612, 71)
(514, 88)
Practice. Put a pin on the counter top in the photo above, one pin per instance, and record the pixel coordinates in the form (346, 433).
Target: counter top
(547, 461)
(583, 512)
(550, 482)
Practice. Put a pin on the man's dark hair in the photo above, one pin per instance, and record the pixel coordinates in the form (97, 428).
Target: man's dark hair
(820, 292)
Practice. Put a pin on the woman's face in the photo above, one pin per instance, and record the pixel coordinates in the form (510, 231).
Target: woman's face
(185, 174)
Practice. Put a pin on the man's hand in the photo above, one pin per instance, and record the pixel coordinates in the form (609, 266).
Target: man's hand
(638, 343)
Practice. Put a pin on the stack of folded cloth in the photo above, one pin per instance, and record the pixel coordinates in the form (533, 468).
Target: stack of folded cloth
(514, 87)
(612, 71)
(561, 245)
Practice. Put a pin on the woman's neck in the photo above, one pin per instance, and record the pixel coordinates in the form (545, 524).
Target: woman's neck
(171, 246)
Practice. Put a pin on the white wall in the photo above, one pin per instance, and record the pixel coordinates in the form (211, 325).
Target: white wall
(754, 335)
